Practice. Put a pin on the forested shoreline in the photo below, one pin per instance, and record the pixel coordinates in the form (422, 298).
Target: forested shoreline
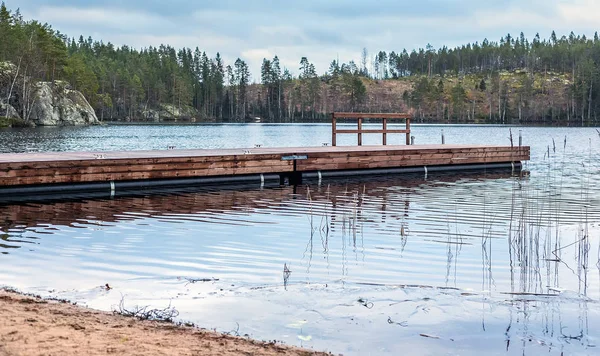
(513, 80)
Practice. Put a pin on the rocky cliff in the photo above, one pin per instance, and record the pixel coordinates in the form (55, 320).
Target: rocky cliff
(56, 104)
(7, 73)
(168, 112)
(47, 103)
(6, 110)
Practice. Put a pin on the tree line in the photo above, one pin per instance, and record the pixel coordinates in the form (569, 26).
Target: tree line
(542, 80)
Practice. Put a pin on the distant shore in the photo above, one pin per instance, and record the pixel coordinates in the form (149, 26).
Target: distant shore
(31, 325)
(14, 123)
(340, 121)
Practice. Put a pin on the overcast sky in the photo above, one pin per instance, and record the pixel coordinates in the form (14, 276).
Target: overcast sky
(321, 30)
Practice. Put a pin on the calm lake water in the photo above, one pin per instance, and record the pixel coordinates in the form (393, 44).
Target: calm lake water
(469, 264)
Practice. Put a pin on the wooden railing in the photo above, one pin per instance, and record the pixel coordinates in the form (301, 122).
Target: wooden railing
(360, 131)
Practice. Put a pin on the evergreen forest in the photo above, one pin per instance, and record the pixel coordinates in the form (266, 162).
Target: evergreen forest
(543, 80)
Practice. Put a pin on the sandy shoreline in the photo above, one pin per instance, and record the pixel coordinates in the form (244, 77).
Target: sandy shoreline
(34, 326)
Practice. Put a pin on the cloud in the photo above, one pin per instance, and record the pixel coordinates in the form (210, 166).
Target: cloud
(106, 18)
(509, 19)
(254, 59)
(580, 14)
(319, 30)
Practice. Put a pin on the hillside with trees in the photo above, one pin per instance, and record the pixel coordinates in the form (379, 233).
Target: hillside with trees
(513, 80)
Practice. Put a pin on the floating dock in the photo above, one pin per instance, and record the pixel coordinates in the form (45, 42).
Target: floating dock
(71, 172)
(38, 173)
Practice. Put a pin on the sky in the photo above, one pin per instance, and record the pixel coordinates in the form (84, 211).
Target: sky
(321, 30)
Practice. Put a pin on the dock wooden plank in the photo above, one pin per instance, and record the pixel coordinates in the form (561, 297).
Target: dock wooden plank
(76, 167)
(284, 166)
(80, 178)
(370, 131)
(354, 115)
(392, 164)
(399, 162)
(224, 153)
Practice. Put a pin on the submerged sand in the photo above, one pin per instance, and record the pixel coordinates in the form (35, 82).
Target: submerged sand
(34, 326)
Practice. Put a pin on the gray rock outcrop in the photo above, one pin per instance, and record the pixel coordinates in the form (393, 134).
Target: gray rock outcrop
(168, 112)
(7, 72)
(172, 112)
(56, 104)
(151, 115)
(7, 110)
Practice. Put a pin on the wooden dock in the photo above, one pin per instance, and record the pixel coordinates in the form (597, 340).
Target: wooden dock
(26, 169)
(42, 173)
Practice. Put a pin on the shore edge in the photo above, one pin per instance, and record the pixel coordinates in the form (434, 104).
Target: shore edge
(31, 325)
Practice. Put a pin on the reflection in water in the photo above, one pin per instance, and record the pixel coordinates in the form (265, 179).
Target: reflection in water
(473, 260)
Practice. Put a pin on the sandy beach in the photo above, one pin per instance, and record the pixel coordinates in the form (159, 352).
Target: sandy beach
(33, 326)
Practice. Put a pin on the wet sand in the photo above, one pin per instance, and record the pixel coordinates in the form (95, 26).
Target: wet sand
(34, 326)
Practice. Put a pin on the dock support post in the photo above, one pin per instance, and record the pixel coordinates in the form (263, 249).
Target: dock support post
(360, 131)
(333, 129)
(408, 130)
(443, 138)
(384, 131)
(520, 138)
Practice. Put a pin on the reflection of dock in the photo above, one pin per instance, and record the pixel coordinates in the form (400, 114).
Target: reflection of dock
(104, 170)
(204, 201)
(123, 208)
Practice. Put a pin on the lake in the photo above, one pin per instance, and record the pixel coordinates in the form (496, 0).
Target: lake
(466, 263)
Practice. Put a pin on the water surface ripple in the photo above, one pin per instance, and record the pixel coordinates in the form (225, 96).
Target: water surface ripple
(449, 263)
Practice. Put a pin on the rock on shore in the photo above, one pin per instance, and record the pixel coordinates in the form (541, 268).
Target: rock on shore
(56, 104)
(8, 111)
